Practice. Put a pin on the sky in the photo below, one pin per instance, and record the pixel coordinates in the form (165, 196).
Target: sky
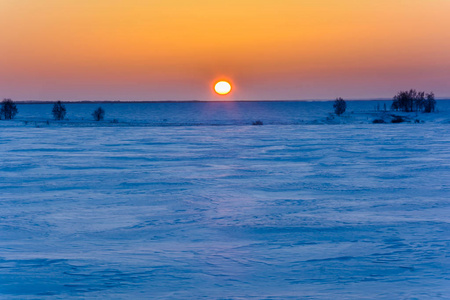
(177, 49)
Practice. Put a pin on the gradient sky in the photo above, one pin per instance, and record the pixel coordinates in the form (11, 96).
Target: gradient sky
(175, 49)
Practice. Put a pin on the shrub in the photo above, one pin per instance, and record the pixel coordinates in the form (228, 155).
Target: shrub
(339, 106)
(59, 111)
(378, 121)
(397, 119)
(8, 110)
(257, 122)
(99, 114)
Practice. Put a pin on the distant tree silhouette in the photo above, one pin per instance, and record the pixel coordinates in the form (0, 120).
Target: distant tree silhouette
(395, 105)
(339, 106)
(404, 101)
(429, 103)
(59, 111)
(419, 101)
(412, 100)
(99, 114)
(8, 110)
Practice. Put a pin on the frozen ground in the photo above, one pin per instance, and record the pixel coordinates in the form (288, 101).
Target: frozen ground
(356, 211)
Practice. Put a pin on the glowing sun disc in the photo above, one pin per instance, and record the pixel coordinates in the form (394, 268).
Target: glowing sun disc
(222, 87)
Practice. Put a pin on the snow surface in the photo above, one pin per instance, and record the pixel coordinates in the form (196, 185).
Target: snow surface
(353, 211)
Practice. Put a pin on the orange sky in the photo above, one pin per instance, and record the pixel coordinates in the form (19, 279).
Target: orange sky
(175, 49)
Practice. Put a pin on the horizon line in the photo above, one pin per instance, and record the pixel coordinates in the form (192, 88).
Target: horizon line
(200, 101)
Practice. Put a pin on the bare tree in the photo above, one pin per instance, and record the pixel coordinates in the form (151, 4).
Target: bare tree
(59, 111)
(8, 110)
(339, 106)
(99, 114)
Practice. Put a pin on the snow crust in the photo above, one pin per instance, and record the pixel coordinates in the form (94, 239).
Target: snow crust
(353, 211)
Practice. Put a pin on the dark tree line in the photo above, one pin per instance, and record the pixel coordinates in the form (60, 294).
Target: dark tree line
(412, 100)
(407, 101)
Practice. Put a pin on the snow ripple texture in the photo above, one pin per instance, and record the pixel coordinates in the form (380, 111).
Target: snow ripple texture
(228, 212)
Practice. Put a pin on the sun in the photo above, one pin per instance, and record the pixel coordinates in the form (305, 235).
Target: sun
(222, 87)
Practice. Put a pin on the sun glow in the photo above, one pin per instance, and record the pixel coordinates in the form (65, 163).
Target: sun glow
(222, 87)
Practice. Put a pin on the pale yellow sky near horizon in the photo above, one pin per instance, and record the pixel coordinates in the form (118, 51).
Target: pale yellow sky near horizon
(174, 50)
